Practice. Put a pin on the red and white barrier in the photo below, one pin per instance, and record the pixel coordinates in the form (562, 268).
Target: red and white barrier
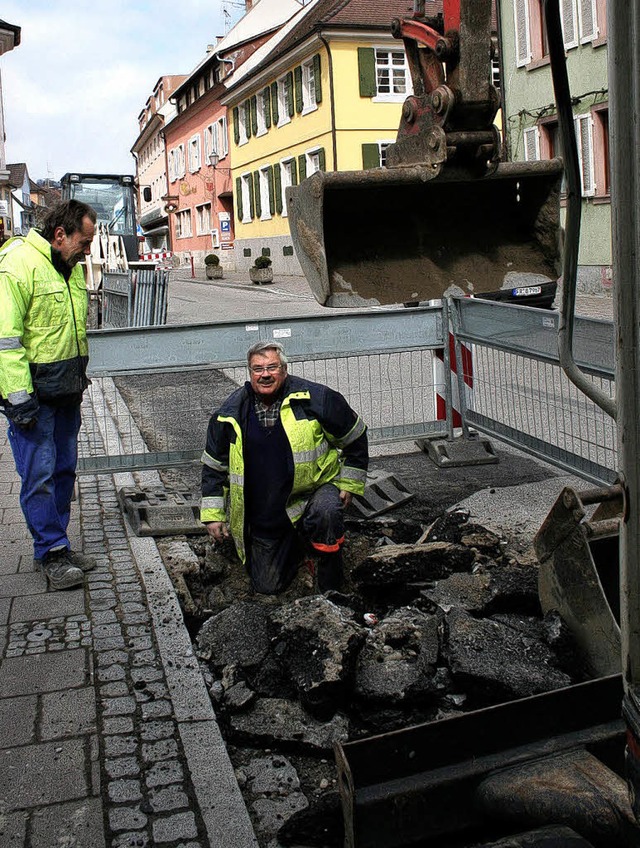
(156, 256)
(439, 377)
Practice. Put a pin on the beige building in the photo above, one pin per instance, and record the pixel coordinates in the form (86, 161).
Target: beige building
(149, 152)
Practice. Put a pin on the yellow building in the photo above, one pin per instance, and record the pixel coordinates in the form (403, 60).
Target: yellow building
(325, 93)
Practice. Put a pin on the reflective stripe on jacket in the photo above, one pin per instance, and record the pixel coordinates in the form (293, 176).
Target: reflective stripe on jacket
(327, 439)
(43, 341)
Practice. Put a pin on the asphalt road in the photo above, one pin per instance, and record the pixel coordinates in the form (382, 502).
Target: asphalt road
(198, 301)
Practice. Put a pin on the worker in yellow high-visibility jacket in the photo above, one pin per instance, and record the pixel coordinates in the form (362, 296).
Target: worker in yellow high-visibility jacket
(284, 456)
(43, 361)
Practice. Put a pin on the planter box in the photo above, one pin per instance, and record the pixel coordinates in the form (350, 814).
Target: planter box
(214, 272)
(261, 275)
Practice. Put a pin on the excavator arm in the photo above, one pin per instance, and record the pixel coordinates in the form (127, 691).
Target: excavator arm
(444, 212)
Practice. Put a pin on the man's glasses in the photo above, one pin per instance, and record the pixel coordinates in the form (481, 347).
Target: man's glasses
(261, 369)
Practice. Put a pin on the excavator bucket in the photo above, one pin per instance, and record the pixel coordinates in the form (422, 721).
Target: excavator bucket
(579, 575)
(393, 235)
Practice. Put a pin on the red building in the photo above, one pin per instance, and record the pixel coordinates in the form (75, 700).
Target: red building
(199, 194)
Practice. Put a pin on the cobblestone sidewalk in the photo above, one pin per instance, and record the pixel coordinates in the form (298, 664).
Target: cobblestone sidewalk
(107, 734)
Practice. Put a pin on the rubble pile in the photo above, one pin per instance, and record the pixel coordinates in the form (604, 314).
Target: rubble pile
(429, 624)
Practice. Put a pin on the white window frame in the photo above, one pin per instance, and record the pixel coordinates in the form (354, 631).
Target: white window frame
(260, 114)
(246, 202)
(522, 32)
(588, 21)
(286, 180)
(391, 96)
(569, 19)
(309, 103)
(584, 139)
(195, 150)
(223, 137)
(203, 223)
(182, 216)
(283, 106)
(172, 165)
(242, 124)
(382, 149)
(531, 140)
(210, 141)
(265, 205)
(180, 162)
(312, 158)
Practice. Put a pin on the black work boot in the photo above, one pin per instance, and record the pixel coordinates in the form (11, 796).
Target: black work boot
(81, 561)
(60, 572)
(329, 571)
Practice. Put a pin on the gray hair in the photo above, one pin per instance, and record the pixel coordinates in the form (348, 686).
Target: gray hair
(261, 347)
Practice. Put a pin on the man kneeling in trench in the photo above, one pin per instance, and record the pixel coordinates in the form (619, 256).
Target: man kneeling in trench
(283, 458)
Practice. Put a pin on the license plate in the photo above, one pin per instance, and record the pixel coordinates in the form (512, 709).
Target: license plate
(526, 291)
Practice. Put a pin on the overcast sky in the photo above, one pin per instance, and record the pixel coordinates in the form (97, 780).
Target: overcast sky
(83, 71)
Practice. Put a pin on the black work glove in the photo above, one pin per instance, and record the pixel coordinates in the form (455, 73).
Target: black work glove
(23, 414)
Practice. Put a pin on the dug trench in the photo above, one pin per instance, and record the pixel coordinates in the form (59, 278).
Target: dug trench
(429, 624)
(438, 616)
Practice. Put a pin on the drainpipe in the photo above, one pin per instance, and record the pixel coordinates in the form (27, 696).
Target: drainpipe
(624, 70)
(334, 142)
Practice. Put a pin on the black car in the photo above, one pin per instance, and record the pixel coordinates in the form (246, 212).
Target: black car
(540, 295)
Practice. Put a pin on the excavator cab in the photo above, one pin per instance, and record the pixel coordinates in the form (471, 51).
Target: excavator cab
(445, 211)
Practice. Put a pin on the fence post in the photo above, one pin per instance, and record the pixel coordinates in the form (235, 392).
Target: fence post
(446, 363)
(455, 358)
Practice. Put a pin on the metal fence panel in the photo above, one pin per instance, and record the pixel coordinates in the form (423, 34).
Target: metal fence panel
(165, 382)
(520, 394)
(135, 298)
(116, 299)
(226, 343)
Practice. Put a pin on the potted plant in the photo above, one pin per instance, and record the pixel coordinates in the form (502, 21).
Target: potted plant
(213, 267)
(261, 270)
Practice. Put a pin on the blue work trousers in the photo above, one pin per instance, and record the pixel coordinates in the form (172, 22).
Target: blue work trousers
(273, 562)
(46, 456)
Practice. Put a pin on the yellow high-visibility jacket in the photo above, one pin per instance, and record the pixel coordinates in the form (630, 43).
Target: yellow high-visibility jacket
(327, 439)
(43, 339)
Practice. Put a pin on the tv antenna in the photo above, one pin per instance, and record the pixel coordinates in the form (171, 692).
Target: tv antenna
(229, 13)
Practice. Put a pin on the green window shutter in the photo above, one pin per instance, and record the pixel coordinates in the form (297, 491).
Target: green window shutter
(302, 166)
(256, 192)
(277, 188)
(317, 77)
(297, 83)
(289, 90)
(252, 203)
(275, 117)
(367, 71)
(253, 105)
(322, 159)
(236, 125)
(247, 117)
(266, 98)
(294, 172)
(239, 198)
(370, 156)
(270, 183)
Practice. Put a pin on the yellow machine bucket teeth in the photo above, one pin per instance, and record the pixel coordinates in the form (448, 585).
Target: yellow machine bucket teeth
(395, 235)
